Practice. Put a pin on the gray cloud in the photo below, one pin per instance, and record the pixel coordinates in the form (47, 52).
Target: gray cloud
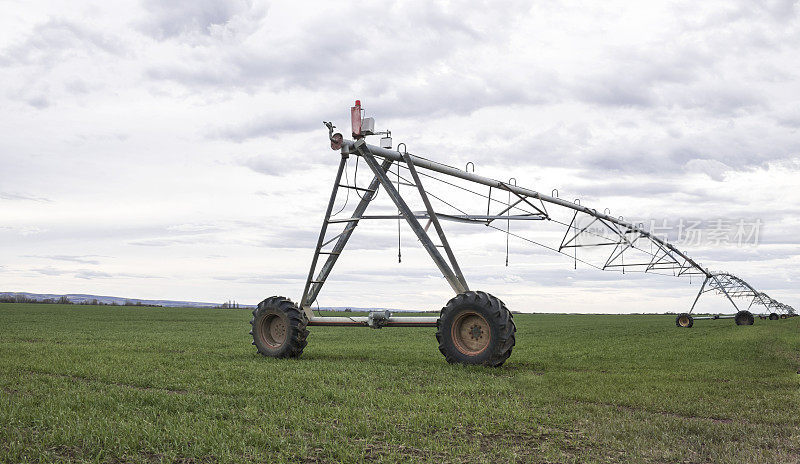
(633, 186)
(155, 242)
(316, 55)
(713, 152)
(306, 238)
(270, 125)
(90, 274)
(274, 164)
(53, 41)
(55, 44)
(182, 239)
(83, 259)
(731, 253)
(167, 20)
(262, 279)
(39, 102)
(790, 120)
(23, 197)
(50, 271)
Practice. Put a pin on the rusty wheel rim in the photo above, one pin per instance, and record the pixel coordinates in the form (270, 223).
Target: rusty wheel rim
(273, 330)
(471, 333)
(683, 321)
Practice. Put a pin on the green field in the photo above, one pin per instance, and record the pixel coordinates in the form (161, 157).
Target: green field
(121, 384)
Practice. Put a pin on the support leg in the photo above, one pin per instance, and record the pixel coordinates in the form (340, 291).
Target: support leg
(323, 230)
(722, 287)
(313, 287)
(698, 295)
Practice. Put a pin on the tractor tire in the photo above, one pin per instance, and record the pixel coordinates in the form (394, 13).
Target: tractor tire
(744, 317)
(476, 328)
(773, 317)
(279, 328)
(684, 320)
(783, 316)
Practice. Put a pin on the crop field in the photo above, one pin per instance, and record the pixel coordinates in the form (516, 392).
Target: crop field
(126, 384)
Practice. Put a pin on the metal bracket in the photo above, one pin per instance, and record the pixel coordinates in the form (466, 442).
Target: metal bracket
(378, 319)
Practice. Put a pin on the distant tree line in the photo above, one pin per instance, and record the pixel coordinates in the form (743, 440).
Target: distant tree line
(65, 300)
(27, 299)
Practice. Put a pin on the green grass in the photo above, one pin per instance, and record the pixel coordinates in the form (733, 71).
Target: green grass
(117, 384)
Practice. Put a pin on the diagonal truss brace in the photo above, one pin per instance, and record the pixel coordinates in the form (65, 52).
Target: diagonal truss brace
(405, 211)
(314, 285)
(724, 290)
(697, 298)
(435, 220)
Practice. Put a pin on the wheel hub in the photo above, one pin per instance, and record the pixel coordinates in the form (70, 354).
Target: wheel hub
(278, 330)
(273, 332)
(471, 333)
(476, 332)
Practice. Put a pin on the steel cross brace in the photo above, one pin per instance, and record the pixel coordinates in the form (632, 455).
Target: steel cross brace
(719, 287)
(705, 281)
(314, 286)
(435, 220)
(725, 291)
(456, 281)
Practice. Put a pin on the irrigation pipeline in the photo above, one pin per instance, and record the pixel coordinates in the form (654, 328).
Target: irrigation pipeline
(455, 172)
(628, 234)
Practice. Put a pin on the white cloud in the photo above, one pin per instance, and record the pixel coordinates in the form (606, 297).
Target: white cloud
(164, 133)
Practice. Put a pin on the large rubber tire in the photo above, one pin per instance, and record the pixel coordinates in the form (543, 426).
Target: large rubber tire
(773, 317)
(783, 316)
(684, 320)
(744, 317)
(476, 328)
(279, 328)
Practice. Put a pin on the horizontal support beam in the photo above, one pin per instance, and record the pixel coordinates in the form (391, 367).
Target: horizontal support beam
(352, 187)
(362, 321)
(480, 218)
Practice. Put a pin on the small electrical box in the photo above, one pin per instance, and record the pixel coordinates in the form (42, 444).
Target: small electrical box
(386, 142)
(368, 126)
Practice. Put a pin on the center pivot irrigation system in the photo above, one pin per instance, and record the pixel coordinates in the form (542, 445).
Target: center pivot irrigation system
(474, 327)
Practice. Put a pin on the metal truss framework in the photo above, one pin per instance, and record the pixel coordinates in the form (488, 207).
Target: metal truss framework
(734, 287)
(628, 247)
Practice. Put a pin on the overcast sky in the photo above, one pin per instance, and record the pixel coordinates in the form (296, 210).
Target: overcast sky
(175, 150)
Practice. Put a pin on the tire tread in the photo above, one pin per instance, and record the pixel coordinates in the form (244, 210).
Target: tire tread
(297, 333)
(502, 316)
